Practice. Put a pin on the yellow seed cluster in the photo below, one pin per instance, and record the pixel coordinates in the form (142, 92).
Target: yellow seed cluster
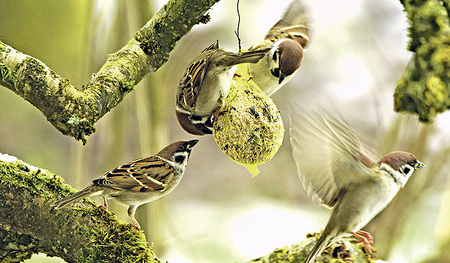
(249, 128)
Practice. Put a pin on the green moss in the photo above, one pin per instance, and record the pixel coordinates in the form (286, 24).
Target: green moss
(158, 26)
(149, 46)
(344, 250)
(108, 238)
(425, 86)
(36, 74)
(127, 86)
(281, 255)
(205, 19)
(24, 245)
(38, 182)
(6, 75)
(79, 128)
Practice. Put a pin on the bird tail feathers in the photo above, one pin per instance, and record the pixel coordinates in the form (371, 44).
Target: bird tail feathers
(88, 191)
(251, 56)
(318, 248)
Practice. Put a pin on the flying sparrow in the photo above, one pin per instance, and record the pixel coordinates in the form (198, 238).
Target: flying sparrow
(286, 40)
(204, 86)
(139, 181)
(334, 166)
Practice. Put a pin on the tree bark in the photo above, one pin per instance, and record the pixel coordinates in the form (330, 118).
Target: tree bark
(83, 232)
(74, 111)
(344, 250)
(424, 88)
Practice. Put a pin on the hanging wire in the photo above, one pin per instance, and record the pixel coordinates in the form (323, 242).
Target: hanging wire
(239, 23)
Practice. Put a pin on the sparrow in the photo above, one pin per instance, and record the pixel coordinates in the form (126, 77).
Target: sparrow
(337, 170)
(139, 181)
(205, 84)
(286, 40)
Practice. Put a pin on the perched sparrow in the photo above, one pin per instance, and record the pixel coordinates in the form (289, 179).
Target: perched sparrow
(336, 169)
(286, 40)
(205, 84)
(140, 181)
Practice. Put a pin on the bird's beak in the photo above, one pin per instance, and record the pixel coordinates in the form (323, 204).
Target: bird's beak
(281, 78)
(419, 165)
(191, 143)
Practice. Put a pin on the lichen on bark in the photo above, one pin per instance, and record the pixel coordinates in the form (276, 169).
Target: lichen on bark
(82, 232)
(424, 88)
(74, 111)
(344, 250)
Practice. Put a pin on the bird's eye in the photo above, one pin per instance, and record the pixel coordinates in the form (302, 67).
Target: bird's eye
(199, 126)
(412, 163)
(181, 148)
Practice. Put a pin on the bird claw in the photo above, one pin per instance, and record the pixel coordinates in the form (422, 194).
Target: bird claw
(213, 117)
(366, 238)
(138, 227)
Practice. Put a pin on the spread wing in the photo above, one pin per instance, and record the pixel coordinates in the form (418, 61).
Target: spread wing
(293, 25)
(328, 154)
(141, 175)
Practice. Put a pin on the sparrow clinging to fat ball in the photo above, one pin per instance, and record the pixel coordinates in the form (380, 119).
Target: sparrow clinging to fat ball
(286, 40)
(205, 84)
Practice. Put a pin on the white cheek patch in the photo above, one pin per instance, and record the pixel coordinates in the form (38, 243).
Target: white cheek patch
(398, 177)
(180, 167)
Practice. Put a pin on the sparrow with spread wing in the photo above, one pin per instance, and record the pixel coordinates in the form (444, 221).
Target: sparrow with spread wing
(336, 169)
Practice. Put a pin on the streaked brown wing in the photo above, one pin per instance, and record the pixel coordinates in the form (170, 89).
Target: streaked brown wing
(191, 82)
(327, 153)
(293, 25)
(141, 175)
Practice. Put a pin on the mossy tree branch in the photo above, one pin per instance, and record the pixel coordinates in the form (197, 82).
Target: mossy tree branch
(344, 250)
(83, 232)
(425, 86)
(74, 111)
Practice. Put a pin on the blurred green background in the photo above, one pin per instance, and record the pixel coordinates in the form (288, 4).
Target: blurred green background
(219, 213)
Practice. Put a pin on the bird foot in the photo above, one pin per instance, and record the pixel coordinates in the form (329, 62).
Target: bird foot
(211, 120)
(366, 238)
(136, 224)
(104, 205)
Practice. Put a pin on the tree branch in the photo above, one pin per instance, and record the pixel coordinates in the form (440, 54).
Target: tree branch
(74, 111)
(425, 86)
(84, 232)
(340, 251)
(80, 233)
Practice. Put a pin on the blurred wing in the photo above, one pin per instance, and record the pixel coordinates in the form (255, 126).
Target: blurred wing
(191, 82)
(327, 153)
(293, 25)
(141, 175)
